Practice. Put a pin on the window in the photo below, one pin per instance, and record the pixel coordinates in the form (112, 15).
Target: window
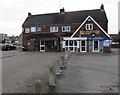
(33, 29)
(27, 30)
(89, 26)
(38, 29)
(66, 29)
(54, 29)
(71, 45)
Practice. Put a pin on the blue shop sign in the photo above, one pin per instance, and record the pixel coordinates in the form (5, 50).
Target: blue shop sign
(96, 38)
(106, 43)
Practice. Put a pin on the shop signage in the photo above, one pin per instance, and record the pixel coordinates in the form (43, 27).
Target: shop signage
(90, 32)
(96, 38)
(77, 38)
(106, 43)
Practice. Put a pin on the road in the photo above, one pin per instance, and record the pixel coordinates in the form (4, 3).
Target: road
(84, 73)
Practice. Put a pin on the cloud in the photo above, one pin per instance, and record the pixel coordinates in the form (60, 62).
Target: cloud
(14, 12)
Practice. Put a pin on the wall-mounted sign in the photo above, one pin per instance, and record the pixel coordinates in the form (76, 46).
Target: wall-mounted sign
(77, 38)
(106, 43)
(96, 38)
(89, 32)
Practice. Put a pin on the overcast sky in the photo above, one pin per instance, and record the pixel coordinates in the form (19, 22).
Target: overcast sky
(14, 12)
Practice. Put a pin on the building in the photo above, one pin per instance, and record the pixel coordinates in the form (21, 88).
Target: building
(77, 31)
(3, 37)
(115, 40)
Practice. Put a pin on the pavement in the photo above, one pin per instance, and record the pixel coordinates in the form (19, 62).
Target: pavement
(84, 72)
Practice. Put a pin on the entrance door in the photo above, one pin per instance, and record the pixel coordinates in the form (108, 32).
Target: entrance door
(95, 46)
(42, 46)
(83, 46)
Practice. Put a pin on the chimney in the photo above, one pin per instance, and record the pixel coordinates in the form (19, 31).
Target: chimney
(102, 7)
(29, 14)
(62, 11)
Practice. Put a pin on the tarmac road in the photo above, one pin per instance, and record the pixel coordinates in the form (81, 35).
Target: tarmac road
(85, 72)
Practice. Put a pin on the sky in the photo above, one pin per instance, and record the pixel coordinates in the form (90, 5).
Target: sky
(14, 12)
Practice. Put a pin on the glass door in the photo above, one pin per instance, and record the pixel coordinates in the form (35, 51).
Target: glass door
(42, 46)
(95, 46)
(83, 46)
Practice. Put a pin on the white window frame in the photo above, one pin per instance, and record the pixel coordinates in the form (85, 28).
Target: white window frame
(67, 28)
(54, 29)
(93, 46)
(27, 30)
(73, 46)
(42, 45)
(88, 26)
(83, 46)
(33, 29)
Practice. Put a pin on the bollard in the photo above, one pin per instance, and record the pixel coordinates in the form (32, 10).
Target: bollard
(63, 62)
(66, 55)
(69, 53)
(57, 68)
(52, 76)
(38, 86)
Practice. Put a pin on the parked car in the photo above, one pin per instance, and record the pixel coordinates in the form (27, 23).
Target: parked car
(6, 47)
(24, 48)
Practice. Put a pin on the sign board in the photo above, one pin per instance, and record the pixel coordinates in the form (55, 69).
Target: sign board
(106, 43)
(96, 38)
(89, 32)
(77, 38)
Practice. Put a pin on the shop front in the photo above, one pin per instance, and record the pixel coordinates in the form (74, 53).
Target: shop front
(49, 44)
(84, 44)
(46, 42)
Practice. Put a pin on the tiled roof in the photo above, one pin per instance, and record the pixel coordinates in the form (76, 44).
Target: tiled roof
(66, 18)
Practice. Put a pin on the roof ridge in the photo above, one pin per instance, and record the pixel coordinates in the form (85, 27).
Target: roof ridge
(66, 12)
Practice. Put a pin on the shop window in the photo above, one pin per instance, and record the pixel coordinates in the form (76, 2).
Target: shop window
(66, 29)
(71, 45)
(100, 46)
(75, 43)
(27, 30)
(89, 26)
(90, 46)
(66, 43)
(54, 29)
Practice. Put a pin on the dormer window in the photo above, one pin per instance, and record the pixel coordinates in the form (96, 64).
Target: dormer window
(89, 26)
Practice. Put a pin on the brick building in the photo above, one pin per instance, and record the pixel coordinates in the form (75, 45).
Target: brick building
(77, 31)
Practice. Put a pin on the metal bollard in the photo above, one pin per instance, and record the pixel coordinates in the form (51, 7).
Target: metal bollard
(38, 86)
(52, 76)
